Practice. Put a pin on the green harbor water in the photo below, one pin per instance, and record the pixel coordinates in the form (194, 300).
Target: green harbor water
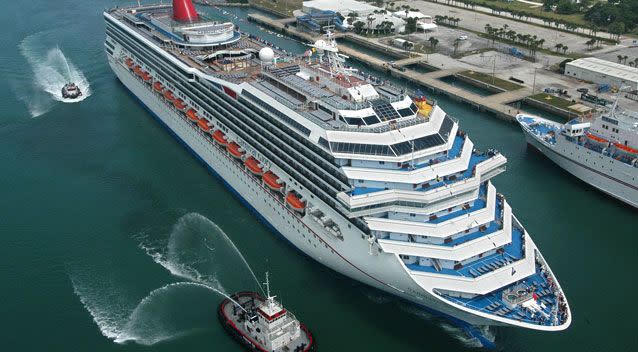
(114, 237)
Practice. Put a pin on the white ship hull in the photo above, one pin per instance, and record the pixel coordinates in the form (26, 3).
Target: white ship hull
(350, 256)
(586, 166)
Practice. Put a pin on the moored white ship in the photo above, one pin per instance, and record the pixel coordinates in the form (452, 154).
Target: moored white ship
(374, 183)
(602, 152)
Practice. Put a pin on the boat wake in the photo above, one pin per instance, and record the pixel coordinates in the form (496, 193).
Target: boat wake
(51, 70)
(459, 333)
(196, 250)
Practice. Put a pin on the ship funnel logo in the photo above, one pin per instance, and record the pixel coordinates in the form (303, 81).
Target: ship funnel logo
(184, 11)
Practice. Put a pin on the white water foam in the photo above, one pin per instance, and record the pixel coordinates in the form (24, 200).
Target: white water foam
(160, 316)
(454, 331)
(197, 250)
(51, 70)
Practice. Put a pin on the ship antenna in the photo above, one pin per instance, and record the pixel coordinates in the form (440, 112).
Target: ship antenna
(267, 283)
(270, 299)
(613, 108)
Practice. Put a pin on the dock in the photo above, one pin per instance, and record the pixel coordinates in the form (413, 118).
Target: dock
(497, 103)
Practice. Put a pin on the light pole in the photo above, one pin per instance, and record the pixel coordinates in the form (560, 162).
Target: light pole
(534, 84)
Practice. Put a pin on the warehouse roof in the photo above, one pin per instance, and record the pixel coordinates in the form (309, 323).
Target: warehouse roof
(343, 6)
(609, 68)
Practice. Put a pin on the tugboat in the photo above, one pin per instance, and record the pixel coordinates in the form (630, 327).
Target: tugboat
(263, 325)
(71, 91)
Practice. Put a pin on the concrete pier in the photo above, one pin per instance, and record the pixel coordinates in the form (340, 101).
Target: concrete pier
(495, 103)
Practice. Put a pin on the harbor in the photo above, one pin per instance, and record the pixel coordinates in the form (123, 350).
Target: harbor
(499, 104)
(134, 239)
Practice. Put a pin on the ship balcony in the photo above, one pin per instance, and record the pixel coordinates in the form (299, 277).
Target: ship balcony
(513, 262)
(446, 222)
(495, 234)
(481, 167)
(509, 253)
(535, 301)
(455, 161)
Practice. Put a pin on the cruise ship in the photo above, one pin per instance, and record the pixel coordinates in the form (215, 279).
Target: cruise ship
(376, 183)
(602, 152)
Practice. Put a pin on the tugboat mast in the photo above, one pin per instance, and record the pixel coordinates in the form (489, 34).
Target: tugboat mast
(270, 299)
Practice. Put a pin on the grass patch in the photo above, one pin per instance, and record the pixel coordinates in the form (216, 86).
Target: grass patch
(487, 78)
(554, 101)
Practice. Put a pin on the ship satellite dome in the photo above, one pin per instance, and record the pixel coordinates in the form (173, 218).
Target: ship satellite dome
(320, 44)
(266, 54)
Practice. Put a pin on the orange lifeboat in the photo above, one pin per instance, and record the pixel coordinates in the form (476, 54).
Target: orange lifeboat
(192, 115)
(179, 104)
(129, 62)
(253, 165)
(138, 70)
(203, 125)
(271, 181)
(625, 148)
(220, 137)
(295, 203)
(235, 150)
(146, 76)
(596, 138)
(158, 86)
(169, 95)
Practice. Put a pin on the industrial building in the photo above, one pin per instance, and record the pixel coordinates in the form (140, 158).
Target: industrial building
(342, 6)
(603, 72)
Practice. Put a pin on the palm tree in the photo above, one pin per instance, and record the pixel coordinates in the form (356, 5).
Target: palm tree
(370, 19)
(352, 16)
(625, 59)
(456, 43)
(619, 58)
(565, 47)
(433, 42)
(541, 42)
(558, 47)
(636, 62)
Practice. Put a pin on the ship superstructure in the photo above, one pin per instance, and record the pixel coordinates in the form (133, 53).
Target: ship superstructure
(602, 152)
(375, 183)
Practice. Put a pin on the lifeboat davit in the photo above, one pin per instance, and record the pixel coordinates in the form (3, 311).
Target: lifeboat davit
(220, 137)
(192, 115)
(169, 95)
(295, 203)
(253, 165)
(129, 62)
(158, 86)
(625, 148)
(179, 104)
(203, 125)
(235, 150)
(272, 181)
(596, 138)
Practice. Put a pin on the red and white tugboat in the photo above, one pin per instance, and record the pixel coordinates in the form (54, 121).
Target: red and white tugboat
(264, 325)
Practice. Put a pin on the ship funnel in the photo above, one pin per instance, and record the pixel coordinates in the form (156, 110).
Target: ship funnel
(184, 11)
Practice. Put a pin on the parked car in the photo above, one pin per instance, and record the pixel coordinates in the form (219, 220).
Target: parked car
(463, 37)
(582, 90)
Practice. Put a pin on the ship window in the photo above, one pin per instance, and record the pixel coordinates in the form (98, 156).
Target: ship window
(371, 120)
(353, 121)
(385, 111)
(406, 112)
(323, 142)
